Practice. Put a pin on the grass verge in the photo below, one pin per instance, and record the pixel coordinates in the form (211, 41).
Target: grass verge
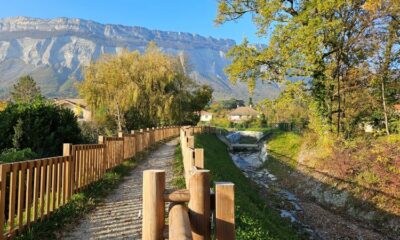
(178, 180)
(81, 203)
(254, 219)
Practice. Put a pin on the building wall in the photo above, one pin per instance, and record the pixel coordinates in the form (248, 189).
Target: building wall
(206, 118)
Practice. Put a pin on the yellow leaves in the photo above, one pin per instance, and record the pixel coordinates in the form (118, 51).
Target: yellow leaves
(129, 80)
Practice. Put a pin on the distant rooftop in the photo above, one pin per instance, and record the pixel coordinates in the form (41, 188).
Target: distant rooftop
(243, 111)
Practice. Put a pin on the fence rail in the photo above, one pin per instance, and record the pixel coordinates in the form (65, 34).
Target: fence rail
(31, 190)
(192, 210)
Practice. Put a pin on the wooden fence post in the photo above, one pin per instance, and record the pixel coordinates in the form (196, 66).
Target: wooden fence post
(199, 204)
(3, 177)
(225, 210)
(199, 158)
(153, 204)
(121, 135)
(69, 173)
(102, 140)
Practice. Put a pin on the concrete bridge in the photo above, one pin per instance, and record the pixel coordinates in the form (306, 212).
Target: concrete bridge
(232, 146)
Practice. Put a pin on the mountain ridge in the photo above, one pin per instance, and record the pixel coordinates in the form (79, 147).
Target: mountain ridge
(55, 50)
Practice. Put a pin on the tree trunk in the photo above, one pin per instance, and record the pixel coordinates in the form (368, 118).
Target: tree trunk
(386, 73)
(384, 107)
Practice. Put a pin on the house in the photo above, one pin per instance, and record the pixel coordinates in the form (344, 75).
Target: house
(397, 108)
(242, 114)
(205, 116)
(78, 106)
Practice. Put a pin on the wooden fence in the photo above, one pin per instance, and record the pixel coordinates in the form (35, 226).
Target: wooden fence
(32, 190)
(193, 212)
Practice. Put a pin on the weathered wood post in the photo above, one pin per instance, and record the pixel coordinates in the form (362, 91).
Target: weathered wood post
(153, 204)
(102, 140)
(69, 173)
(225, 210)
(178, 222)
(199, 204)
(121, 135)
(199, 158)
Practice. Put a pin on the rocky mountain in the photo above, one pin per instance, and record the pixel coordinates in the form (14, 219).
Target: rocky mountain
(54, 51)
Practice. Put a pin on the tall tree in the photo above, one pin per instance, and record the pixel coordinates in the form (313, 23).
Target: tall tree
(25, 90)
(150, 89)
(323, 41)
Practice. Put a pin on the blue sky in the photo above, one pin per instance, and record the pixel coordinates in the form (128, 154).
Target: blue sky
(194, 16)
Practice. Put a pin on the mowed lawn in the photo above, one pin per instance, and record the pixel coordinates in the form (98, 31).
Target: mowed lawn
(254, 219)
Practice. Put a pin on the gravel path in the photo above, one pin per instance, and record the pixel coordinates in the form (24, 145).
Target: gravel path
(119, 216)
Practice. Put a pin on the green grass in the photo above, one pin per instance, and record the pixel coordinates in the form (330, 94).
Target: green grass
(254, 219)
(178, 180)
(81, 203)
(285, 145)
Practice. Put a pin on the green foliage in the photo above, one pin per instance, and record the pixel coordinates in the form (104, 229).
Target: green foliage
(286, 144)
(347, 50)
(15, 155)
(142, 90)
(290, 110)
(18, 132)
(44, 127)
(25, 90)
(254, 220)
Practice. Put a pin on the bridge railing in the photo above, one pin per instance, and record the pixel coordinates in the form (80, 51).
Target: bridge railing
(193, 210)
(32, 190)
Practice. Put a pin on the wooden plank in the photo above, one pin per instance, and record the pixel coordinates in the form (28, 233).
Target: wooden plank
(48, 185)
(225, 210)
(21, 194)
(54, 185)
(13, 193)
(29, 182)
(4, 168)
(59, 181)
(43, 173)
(181, 195)
(36, 186)
(63, 174)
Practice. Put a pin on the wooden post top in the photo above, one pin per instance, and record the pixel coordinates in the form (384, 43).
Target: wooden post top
(67, 149)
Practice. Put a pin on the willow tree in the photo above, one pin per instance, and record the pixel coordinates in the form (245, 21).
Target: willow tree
(151, 86)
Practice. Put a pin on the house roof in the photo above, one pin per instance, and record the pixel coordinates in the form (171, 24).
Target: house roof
(202, 112)
(74, 101)
(243, 111)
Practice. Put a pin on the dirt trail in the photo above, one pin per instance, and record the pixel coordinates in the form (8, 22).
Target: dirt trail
(119, 216)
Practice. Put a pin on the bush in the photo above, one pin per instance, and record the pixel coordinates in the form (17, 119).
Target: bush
(40, 126)
(14, 155)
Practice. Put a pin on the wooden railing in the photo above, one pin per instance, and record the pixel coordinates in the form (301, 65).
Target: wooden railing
(193, 210)
(32, 190)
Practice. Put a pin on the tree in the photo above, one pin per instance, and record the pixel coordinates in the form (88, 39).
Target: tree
(42, 126)
(141, 90)
(25, 90)
(324, 42)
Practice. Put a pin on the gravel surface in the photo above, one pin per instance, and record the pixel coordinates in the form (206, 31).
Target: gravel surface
(119, 216)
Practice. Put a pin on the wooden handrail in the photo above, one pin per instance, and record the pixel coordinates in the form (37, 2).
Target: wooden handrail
(201, 200)
(179, 224)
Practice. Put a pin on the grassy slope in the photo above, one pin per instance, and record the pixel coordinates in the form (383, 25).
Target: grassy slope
(286, 144)
(254, 220)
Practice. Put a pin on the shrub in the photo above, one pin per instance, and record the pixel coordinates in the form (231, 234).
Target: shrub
(41, 126)
(15, 155)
